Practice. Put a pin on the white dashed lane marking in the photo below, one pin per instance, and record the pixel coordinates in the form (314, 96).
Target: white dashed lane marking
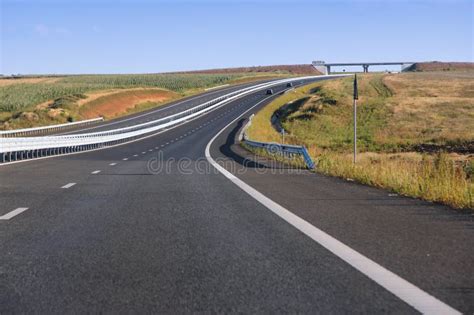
(124, 159)
(13, 213)
(112, 164)
(68, 185)
(96, 172)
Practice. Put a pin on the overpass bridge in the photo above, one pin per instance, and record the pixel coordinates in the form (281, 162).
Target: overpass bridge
(325, 68)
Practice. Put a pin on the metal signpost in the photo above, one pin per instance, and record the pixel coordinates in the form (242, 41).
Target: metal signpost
(356, 97)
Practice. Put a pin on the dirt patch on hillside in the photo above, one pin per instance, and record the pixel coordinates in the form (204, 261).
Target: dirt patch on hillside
(112, 103)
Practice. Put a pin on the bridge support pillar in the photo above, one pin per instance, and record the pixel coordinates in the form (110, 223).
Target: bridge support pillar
(366, 68)
(328, 69)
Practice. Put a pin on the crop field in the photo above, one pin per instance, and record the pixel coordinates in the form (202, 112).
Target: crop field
(415, 132)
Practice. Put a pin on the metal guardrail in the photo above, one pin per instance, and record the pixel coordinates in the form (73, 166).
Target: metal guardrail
(13, 149)
(39, 130)
(283, 150)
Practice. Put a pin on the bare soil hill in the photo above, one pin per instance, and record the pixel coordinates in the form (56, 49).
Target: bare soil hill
(110, 105)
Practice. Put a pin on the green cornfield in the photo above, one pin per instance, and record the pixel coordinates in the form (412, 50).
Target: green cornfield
(21, 96)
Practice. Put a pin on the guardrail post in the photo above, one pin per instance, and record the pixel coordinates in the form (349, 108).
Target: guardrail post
(307, 158)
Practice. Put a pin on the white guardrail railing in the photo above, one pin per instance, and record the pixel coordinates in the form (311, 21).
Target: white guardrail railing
(39, 130)
(13, 149)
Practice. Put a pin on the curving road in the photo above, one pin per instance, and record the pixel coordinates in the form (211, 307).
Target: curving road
(152, 226)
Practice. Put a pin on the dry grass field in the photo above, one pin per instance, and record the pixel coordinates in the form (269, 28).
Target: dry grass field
(415, 130)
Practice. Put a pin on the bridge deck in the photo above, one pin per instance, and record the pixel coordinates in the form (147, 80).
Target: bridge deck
(366, 63)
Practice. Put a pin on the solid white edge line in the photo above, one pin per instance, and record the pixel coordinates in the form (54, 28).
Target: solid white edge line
(13, 213)
(404, 290)
(68, 185)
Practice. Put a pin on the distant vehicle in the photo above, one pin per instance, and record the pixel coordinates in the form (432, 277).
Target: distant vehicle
(289, 84)
(269, 92)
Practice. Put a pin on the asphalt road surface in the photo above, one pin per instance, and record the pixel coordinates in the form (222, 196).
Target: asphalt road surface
(152, 226)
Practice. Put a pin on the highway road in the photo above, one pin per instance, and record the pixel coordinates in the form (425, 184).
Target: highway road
(154, 226)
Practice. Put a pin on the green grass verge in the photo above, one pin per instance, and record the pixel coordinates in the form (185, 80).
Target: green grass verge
(319, 116)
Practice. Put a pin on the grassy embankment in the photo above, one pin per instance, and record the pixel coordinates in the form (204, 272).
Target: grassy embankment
(405, 123)
(29, 102)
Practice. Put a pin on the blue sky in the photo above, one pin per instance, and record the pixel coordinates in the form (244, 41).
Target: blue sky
(125, 36)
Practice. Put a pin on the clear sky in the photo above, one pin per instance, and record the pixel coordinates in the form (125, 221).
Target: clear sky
(125, 36)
